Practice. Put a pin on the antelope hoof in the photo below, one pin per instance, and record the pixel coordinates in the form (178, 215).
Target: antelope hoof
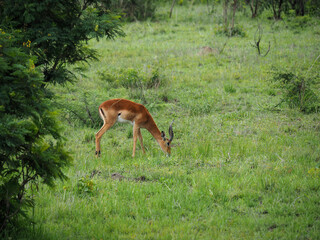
(98, 154)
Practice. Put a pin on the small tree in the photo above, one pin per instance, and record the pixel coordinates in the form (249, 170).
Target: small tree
(254, 7)
(31, 148)
(299, 88)
(37, 41)
(257, 40)
(229, 22)
(58, 31)
(277, 7)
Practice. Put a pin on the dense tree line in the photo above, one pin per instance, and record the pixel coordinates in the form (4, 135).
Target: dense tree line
(301, 7)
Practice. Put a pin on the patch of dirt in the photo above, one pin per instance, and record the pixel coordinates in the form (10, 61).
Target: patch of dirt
(119, 177)
(272, 227)
(141, 179)
(95, 172)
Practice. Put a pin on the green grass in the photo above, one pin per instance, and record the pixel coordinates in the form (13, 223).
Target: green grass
(239, 169)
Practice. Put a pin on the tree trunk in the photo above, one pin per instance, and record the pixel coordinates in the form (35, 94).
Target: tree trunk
(279, 9)
(292, 4)
(173, 3)
(255, 13)
(300, 7)
(234, 8)
(225, 12)
(254, 4)
(276, 8)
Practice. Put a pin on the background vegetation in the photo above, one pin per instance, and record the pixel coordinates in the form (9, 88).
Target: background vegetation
(246, 159)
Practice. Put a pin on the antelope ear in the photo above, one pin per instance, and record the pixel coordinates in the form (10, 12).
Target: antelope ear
(163, 135)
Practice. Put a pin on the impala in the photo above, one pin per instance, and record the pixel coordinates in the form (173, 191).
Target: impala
(125, 111)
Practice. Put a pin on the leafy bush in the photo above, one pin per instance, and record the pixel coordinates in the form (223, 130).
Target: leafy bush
(132, 78)
(81, 109)
(299, 89)
(237, 30)
(85, 186)
(31, 147)
(60, 37)
(297, 22)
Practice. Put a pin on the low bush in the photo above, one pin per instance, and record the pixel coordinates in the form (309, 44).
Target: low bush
(134, 79)
(237, 30)
(298, 89)
(297, 22)
(86, 186)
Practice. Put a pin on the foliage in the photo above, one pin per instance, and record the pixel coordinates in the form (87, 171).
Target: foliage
(256, 6)
(60, 37)
(302, 7)
(132, 10)
(297, 22)
(277, 7)
(299, 7)
(81, 110)
(237, 170)
(229, 28)
(31, 147)
(313, 7)
(44, 37)
(132, 78)
(299, 89)
(85, 186)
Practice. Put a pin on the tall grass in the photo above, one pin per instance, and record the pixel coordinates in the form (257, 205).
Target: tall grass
(240, 169)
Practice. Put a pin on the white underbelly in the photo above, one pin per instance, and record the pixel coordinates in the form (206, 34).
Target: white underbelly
(121, 120)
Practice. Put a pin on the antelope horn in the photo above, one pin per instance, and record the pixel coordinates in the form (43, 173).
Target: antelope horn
(171, 132)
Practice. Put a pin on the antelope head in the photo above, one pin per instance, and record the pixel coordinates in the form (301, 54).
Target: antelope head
(167, 141)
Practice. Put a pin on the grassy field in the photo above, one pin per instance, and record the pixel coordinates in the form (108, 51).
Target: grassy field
(241, 168)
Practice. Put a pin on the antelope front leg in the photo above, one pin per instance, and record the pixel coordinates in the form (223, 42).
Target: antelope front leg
(135, 135)
(141, 140)
(99, 134)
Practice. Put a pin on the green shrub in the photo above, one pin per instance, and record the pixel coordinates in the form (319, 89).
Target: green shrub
(131, 79)
(60, 37)
(237, 30)
(31, 147)
(134, 79)
(299, 89)
(85, 186)
(298, 22)
(155, 80)
(80, 109)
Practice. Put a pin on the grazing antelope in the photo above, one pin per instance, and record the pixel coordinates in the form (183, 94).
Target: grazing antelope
(122, 110)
